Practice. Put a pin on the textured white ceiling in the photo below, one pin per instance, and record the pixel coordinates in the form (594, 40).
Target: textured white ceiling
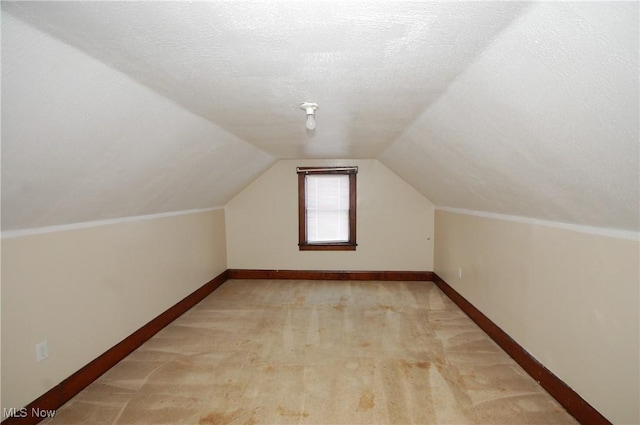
(373, 67)
(544, 124)
(130, 108)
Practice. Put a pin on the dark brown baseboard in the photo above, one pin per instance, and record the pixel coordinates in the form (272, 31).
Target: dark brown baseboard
(67, 389)
(330, 275)
(569, 399)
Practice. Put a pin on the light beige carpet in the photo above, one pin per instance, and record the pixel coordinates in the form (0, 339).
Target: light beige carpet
(317, 352)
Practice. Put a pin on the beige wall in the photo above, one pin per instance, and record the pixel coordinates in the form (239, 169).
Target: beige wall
(394, 223)
(85, 290)
(568, 297)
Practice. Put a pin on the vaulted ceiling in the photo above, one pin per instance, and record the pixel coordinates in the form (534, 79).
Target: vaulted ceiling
(115, 109)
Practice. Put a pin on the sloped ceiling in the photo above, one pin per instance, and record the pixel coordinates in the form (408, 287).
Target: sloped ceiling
(82, 142)
(543, 124)
(111, 109)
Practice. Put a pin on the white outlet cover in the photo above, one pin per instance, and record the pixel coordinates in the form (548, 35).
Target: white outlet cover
(42, 351)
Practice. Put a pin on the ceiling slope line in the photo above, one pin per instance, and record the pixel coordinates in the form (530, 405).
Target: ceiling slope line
(591, 230)
(463, 71)
(8, 234)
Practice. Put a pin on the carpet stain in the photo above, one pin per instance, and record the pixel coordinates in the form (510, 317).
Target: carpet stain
(286, 412)
(388, 307)
(366, 401)
(409, 365)
(217, 418)
(340, 307)
(365, 344)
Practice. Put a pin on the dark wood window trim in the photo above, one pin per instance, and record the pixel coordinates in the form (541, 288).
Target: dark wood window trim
(303, 243)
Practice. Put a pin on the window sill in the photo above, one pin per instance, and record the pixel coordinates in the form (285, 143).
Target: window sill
(340, 246)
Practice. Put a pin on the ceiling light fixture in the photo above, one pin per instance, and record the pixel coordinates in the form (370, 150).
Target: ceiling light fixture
(310, 109)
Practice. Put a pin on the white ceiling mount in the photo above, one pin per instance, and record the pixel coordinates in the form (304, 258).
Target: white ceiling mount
(310, 109)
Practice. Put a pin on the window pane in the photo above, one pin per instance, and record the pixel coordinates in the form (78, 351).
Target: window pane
(327, 204)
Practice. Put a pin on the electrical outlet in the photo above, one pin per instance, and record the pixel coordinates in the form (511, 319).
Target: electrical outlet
(459, 272)
(42, 350)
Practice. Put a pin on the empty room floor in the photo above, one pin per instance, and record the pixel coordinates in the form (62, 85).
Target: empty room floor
(317, 352)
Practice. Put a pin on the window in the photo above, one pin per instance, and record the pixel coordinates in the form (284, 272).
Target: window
(327, 208)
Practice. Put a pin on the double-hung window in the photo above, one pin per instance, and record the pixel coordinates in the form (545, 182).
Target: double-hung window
(327, 208)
